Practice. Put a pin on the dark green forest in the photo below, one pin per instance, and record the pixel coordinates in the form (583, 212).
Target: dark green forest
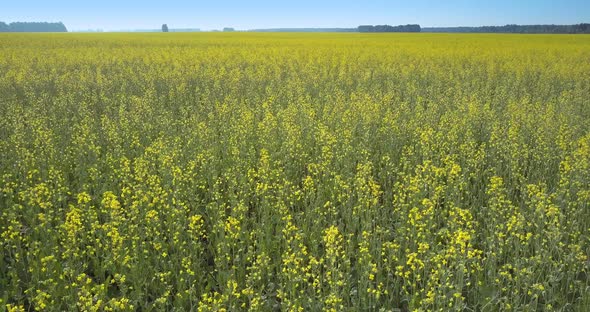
(388, 28)
(516, 29)
(33, 27)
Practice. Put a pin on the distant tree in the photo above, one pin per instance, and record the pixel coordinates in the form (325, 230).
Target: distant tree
(4, 27)
(228, 29)
(164, 28)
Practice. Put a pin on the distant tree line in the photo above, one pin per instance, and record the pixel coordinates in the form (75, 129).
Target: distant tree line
(517, 29)
(305, 30)
(388, 28)
(32, 27)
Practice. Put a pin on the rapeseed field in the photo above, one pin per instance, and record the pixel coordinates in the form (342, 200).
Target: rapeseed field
(294, 172)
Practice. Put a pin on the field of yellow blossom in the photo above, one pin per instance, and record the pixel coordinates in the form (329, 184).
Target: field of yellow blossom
(294, 172)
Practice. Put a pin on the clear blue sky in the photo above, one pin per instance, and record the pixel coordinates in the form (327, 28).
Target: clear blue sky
(214, 14)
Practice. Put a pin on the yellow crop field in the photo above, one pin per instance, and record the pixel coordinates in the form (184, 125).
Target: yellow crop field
(294, 172)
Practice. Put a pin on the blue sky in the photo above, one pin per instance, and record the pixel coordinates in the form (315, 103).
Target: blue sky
(213, 14)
